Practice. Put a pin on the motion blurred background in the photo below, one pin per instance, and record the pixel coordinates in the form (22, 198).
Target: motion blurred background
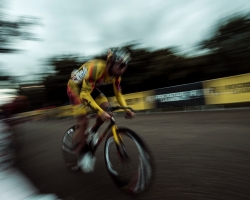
(187, 55)
(173, 43)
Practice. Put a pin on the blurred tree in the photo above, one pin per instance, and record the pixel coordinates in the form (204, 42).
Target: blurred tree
(10, 30)
(56, 84)
(230, 45)
(150, 69)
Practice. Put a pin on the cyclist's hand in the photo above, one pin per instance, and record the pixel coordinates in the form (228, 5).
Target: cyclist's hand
(129, 114)
(105, 116)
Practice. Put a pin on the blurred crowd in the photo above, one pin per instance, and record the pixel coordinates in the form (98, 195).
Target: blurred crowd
(14, 185)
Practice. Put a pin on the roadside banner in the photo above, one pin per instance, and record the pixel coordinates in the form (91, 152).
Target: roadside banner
(232, 89)
(137, 100)
(178, 96)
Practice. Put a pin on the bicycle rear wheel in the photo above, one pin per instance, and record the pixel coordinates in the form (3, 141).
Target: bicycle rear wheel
(70, 158)
(131, 169)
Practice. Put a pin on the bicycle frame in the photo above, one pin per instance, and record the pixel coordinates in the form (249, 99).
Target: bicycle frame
(143, 173)
(102, 136)
(113, 127)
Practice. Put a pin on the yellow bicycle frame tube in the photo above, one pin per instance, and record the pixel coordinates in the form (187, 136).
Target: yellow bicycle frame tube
(116, 138)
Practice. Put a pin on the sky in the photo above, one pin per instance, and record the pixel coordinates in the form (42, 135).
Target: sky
(89, 27)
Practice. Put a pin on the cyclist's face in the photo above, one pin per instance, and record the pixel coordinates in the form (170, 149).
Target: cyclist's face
(118, 69)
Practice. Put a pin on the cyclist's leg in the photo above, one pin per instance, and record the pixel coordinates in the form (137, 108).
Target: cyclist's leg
(79, 138)
(102, 101)
(80, 114)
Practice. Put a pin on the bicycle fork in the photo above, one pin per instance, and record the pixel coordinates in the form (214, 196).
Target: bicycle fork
(121, 150)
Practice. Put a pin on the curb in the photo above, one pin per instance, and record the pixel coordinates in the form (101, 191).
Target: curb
(148, 112)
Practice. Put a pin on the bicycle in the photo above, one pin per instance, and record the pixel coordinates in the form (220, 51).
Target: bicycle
(137, 181)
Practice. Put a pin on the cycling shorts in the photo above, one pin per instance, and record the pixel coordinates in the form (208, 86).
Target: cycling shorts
(80, 108)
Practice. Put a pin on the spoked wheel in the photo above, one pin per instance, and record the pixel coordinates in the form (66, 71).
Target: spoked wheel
(69, 156)
(130, 165)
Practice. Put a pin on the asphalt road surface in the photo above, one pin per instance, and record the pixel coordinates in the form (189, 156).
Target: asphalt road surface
(198, 155)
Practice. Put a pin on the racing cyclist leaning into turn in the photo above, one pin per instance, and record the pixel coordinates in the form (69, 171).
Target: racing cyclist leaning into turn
(82, 90)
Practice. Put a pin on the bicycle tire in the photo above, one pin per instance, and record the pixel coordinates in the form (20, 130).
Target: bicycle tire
(143, 176)
(69, 157)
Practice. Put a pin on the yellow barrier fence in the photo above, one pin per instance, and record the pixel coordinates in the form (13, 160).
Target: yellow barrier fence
(137, 100)
(232, 89)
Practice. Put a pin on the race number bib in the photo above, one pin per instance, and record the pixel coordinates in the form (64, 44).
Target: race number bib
(79, 75)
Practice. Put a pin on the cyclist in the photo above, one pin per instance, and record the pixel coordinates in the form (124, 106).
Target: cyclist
(83, 92)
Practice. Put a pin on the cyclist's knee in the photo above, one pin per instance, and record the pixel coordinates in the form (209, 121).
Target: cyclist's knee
(82, 120)
(104, 105)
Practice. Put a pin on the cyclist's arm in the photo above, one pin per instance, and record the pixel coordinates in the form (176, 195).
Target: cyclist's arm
(87, 88)
(117, 90)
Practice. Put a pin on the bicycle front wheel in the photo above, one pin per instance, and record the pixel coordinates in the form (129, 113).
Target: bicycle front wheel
(131, 169)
